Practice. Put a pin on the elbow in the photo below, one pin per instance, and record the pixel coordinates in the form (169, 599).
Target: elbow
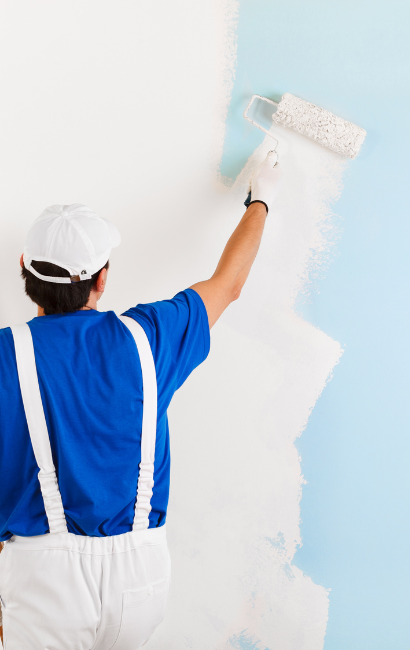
(236, 293)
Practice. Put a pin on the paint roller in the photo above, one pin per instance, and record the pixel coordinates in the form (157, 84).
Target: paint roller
(325, 128)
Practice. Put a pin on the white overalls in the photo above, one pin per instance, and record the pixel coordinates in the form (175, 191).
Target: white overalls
(62, 591)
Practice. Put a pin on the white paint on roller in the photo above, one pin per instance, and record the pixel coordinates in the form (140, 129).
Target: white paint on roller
(315, 122)
(124, 120)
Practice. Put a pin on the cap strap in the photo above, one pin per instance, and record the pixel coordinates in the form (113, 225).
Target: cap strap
(67, 280)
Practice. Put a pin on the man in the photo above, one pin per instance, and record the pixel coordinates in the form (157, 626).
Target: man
(84, 441)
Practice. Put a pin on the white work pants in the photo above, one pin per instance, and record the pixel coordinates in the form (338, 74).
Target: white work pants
(72, 592)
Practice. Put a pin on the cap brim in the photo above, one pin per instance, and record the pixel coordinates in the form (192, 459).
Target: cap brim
(114, 233)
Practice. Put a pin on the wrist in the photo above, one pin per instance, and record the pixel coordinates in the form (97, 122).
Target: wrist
(259, 205)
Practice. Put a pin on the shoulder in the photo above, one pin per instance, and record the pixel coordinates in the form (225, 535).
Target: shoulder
(6, 339)
(174, 322)
(184, 305)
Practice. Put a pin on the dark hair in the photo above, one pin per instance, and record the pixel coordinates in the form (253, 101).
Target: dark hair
(54, 297)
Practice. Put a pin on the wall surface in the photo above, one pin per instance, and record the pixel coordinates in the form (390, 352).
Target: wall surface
(124, 107)
(352, 58)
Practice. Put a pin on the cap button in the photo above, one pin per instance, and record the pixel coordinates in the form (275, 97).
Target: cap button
(64, 213)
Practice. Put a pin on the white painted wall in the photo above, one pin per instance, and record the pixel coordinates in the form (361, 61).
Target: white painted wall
(121, 106)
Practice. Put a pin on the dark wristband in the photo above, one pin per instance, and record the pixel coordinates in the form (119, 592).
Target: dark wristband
(248, 202)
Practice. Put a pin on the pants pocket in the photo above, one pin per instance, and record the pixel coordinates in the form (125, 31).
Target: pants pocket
(142, 612)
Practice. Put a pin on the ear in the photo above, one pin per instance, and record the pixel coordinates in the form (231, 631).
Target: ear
(21, 260)
(101, 280)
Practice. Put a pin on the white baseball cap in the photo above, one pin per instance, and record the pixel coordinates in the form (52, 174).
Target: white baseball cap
(73, 237)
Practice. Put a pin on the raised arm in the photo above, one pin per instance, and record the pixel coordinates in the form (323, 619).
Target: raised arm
(233, 268)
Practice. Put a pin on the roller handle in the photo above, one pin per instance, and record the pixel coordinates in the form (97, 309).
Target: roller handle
(246, 116)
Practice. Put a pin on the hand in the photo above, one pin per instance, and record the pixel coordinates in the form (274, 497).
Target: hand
(264, 180)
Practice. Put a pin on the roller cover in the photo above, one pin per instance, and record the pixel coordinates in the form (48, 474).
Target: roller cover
(327, 129)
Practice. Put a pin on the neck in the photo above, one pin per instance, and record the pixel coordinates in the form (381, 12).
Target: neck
(91, 304)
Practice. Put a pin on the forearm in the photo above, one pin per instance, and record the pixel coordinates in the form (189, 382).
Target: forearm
(236, 261)
(233, 268)
(241, 249)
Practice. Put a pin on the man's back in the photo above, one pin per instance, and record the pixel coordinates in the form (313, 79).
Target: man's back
(91, 388)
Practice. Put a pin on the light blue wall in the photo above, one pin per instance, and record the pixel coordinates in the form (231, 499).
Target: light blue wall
(353, 58)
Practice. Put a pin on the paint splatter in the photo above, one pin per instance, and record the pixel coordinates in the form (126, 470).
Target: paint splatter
(244, 641)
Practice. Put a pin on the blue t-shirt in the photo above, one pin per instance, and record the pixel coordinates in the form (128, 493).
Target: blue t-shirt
(91, 388)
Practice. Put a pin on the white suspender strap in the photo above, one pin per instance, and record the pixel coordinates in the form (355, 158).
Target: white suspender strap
(37, 426)
(149, 424)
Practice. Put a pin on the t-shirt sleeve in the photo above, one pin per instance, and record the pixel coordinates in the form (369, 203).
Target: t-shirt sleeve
(178, 332)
